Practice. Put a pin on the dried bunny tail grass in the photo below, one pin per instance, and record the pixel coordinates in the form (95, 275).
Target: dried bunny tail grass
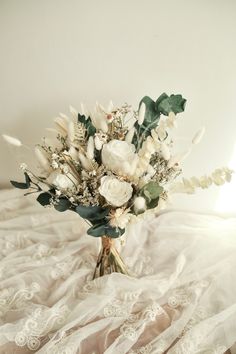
(73, 112)
(218, 177)
(11, 140)
(42, 159)
(198, 136)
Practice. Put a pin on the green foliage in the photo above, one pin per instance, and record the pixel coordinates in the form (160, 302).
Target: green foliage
(63, 205)
(173, 103)
(100, 230)
(44, 198)
(22, 185)
(151, 192)
(163, 105)
(87, 122)
(151, 119)
(92, 213)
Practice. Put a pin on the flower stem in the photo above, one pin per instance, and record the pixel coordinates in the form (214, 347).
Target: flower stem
(109, 260)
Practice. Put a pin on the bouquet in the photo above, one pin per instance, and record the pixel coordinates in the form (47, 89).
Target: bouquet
(112, 166)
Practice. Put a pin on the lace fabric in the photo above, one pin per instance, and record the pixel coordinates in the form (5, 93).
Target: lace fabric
(180, 299)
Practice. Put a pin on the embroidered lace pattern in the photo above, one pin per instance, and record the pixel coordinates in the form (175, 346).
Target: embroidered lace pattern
(40, 323)
(10, 299)
(141, 267)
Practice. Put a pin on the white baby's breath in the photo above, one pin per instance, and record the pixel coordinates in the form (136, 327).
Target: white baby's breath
(23, 166)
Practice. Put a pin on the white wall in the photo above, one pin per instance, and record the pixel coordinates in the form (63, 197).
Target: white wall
(60, 52)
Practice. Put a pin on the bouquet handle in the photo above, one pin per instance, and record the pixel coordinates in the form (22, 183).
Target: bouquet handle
(109, 259)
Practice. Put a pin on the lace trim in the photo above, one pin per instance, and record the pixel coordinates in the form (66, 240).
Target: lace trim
(62, 269)
(11, 243)
(218, 349)
(134, 321)
(141, 267)
(147, 349)
(40, 323)
(11, 299)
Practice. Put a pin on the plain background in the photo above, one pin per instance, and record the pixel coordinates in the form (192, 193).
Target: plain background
(60, 52)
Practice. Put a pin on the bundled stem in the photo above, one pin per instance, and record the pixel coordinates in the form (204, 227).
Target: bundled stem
(109, 260)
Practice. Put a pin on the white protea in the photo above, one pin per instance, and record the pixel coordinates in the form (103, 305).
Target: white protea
(198, 136)
(11, 140)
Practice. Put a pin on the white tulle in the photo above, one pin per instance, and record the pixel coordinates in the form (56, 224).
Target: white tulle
(180, 299)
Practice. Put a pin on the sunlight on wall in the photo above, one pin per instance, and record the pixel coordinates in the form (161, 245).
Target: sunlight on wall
(226, 202)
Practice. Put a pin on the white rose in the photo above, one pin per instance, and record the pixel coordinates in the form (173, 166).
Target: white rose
(115, 192)
(62, 181)
(119, 157)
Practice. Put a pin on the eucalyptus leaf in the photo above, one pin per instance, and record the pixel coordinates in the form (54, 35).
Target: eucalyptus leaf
(151, 191)
(153, 203)
(87, 122)
(92, 213)
(63, 205)
(105, 230)
(22, 185)
(151, 117)
(173, 103)
(44, 198)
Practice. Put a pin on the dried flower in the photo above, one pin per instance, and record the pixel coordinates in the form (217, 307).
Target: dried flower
(13, 141)
(23, 166)
(119, 217)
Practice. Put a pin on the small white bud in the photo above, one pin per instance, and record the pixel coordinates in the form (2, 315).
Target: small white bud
(141, 113)
(54, 165)
(23, 166)
(139, 205)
